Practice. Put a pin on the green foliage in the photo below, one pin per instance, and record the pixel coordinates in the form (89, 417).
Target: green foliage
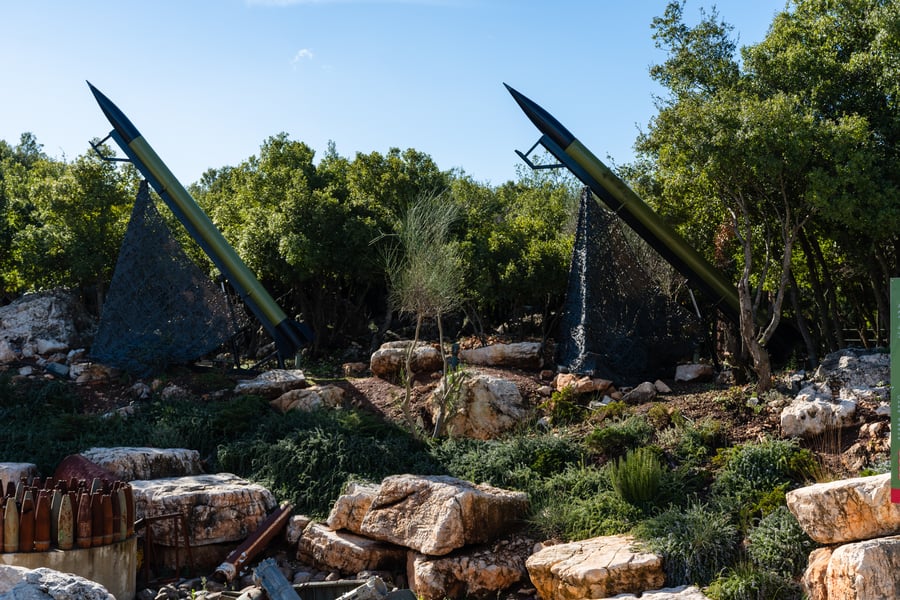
(746, 581)
(511, 462)
(563, 408)
(615, 409)
(695, 543)
(581, 518)
(692, 444)
(617, 438)
(636, 477)
(754, 469)
(779, 544)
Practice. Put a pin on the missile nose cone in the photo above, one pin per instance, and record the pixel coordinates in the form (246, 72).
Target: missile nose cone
(116, 117)
(543, 120)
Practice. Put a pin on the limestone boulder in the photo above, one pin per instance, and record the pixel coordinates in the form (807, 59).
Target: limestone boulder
(272, 384)
(682, 592)
(129, 463)
(389, 360)
(582, 384)
(347, 552)
(813, 580)
(857, 373)
(295, 527)
(694, 372)
(521, 355)
(484, 406)
(218, 508)
(15, 471)
(437, 514)
(814, 410)
(867, 570)
(351, 506)
(477, 572)
(39, 324)
(19, 583)
(310, 399)
(847, 510)
(596, 568)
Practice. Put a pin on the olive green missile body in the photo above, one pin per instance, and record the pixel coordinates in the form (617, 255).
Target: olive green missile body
(289, 335)
(628, 206)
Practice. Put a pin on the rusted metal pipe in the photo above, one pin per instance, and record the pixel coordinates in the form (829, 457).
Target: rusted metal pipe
(254, 544)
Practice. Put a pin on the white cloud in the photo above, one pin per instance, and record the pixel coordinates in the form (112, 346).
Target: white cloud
(302, 54)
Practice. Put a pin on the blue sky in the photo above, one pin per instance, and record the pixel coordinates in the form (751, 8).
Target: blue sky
(207, 81)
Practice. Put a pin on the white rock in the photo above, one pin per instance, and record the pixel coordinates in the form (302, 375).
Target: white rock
(804, 418)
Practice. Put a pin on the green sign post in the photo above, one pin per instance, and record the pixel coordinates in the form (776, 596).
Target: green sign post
(895, 390)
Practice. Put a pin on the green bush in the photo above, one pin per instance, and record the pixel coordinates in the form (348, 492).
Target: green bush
(619, 437)
(749, 582)
(692, 444)
(751, 470)
(636, 477)
(604, 513)
(779, 544)
(562, 407)
(695, 543)
(510, 462)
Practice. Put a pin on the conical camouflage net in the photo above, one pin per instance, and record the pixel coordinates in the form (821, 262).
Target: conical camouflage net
(617, 323)
(161, 308)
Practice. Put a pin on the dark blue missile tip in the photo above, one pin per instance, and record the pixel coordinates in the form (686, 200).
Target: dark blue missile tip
(543, 120)
(117, 118)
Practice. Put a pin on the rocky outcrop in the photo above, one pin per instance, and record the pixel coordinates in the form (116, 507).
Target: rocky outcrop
(350, 508)
(814, 410)
(860, 524)
(436, 515)
(484, 406)
(476, 573)
(594, 568)
(390, 359)
(310, 399)
(522, 355)
(38, 324)
(129, 464)
(272, 384)
(19, 583)
(868, 570)
(847, 510)
(347, 552)
(218, 508)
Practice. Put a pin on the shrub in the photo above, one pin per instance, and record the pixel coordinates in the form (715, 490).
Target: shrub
(692, 444)
(750, 470)
(510, 462)
(749, 582)
(636, 477)
(619, 437)
(562, 407)
(779, 544)
(695, 543)
(604, 513)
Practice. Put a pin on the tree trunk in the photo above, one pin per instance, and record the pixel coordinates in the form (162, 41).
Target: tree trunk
(823, 316)
(405, 404)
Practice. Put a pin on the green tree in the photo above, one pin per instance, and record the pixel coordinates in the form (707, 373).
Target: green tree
(760, 161)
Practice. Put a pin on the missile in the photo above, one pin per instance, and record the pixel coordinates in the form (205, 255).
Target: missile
(622, 200)
(289, 335)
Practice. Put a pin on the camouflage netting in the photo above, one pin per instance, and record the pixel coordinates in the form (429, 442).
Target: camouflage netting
(161, 308)
(617, 323)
